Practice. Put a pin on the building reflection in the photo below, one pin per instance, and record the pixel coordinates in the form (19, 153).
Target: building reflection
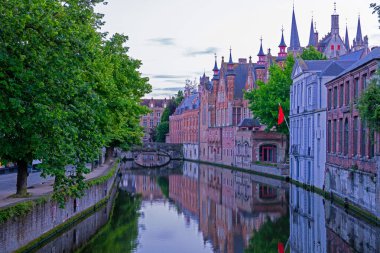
(317, 225)
(230, 206)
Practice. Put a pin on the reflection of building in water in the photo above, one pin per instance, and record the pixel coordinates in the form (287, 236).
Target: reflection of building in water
(326, 228)
(228, 204)
(346, 233)
(307, 222)
(147, 187)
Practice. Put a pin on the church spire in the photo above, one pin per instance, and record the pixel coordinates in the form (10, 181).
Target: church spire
(335, 22)
(312, 41)
(261, 51)
(346, 40)
(294, 38)
(359, 37)
(215, 66)
(230, 65)
(282, 43)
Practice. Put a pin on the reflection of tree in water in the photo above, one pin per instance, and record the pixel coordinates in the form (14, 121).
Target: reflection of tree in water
(268, 236)
(163, 183)
(120, 233)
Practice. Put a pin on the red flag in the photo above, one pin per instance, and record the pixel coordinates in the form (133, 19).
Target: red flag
(281, 115)
(280, 246)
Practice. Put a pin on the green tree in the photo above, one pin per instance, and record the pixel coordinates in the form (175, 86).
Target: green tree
(163, 127)
(61, 86)
(265, 99)
(311, 53)
(376, 9)
(369, 104)
(122, 93)
(48, 105)
(269, 235)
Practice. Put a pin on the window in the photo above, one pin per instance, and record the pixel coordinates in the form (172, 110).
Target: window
(329, 97)
(158, 114)
(151, 123)
(341, 95)
(363, 139)
(364, 81)
(144, 123)
(309, 95)
(267, 192)
(329, 136)
(335, 97)
(356, 135)
(338, 47)
(334, 137)
(356, 88)
(347, 93)
(151, 114)
(268, 153)
(332, 47)
(319, 119)
(341, 136)
(151, 105)
(346, 140)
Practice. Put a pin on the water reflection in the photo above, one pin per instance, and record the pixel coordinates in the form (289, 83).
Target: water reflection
(226, 207)
(317, 225)
(201, 208)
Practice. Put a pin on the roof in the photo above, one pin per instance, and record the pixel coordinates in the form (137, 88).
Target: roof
(282, 43)
(261, 52)
(241, 72)
(188, 103)
(312, 41)
(354, 56)
(373, 55)
(248, 122)
(294, 38)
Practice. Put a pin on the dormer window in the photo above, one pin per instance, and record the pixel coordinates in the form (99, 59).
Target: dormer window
(151, 105)
(332, 47)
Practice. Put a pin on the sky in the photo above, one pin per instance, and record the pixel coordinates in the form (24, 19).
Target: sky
(177, 39)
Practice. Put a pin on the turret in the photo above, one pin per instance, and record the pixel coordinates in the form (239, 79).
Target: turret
(282, 45)
(295, 45)
(215, 70)
(346, 40)
(335, 22)
(230, 65)
(261, 54)
(312, 41)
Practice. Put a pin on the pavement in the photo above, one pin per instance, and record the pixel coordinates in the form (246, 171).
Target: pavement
(38, 186)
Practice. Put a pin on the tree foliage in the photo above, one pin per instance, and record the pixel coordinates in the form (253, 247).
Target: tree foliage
(65, 90)
(311, 53)
(265, 99)
(163, 127)
(269, 235)
(369, 104)
(376, 9)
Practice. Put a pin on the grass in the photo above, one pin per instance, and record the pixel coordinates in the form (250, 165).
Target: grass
(104, 178)
(20, 209)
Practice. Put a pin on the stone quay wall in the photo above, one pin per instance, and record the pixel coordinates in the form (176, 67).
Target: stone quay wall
(46, 215)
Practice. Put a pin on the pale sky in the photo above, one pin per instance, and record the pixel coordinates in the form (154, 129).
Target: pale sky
(176, 39)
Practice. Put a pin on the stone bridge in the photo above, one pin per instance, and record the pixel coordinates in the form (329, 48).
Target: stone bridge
(154, 154)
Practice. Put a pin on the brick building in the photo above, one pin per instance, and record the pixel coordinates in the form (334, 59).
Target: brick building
(150, 121)
(353, 150)
(184, 125)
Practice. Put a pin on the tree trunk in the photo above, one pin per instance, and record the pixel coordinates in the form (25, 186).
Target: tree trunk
(109, 153)
(22, 178)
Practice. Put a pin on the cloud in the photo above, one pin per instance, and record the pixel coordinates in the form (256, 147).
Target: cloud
(163, 41)
(168, 89)
(193, 53)
(168, 76)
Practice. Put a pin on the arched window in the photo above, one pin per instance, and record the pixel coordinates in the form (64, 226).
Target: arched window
(268, 153)
(346, 137)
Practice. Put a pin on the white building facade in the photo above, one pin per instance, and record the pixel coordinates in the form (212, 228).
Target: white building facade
(308, 104)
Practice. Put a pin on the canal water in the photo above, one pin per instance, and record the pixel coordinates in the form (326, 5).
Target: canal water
(194, 207)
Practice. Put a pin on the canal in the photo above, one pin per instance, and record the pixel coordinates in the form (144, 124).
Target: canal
(201, 208)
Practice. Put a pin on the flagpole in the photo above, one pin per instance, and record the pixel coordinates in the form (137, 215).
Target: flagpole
(285, 119)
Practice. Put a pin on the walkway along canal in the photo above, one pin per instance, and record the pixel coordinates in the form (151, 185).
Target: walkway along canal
(205, 208)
